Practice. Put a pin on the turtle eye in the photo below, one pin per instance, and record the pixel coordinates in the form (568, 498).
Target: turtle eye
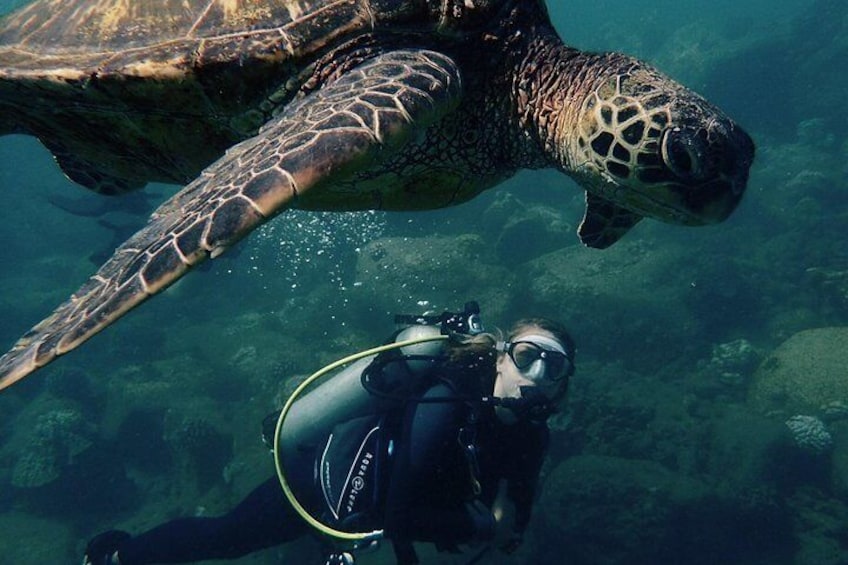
(683, 153)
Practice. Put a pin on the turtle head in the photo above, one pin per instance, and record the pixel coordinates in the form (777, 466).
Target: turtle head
(643, 145)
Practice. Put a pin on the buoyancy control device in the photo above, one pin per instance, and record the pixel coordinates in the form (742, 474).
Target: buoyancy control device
(368, 383)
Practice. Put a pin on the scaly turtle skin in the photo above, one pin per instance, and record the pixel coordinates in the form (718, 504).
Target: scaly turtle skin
(262, 105)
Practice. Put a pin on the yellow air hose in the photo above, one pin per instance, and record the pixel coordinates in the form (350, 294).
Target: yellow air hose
(321, 527)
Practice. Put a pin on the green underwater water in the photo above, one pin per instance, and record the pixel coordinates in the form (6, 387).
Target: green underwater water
(659, 456)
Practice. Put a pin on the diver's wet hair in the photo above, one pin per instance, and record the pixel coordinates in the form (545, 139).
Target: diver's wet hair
(464, 349)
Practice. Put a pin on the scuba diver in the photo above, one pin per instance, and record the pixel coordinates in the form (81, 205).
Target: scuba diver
(442, 442)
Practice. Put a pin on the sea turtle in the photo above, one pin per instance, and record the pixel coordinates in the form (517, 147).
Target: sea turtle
(263, 105)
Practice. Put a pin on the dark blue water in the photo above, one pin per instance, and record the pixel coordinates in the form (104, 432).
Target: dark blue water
(660, 456)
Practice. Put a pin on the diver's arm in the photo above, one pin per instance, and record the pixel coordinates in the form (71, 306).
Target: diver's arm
(429, 441)
(523, 478)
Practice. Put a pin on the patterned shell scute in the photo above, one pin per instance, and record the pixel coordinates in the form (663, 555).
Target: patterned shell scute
(63, 27)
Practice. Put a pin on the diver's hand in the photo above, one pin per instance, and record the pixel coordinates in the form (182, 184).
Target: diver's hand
(507, 539)
(103, 548)
(512, 544)
(340, 558)
(483, 523)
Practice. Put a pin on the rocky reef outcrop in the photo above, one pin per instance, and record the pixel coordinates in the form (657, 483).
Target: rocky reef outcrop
(804, 375)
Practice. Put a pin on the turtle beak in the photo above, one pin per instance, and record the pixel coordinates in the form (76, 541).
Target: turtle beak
(735, 168)
(728, 155)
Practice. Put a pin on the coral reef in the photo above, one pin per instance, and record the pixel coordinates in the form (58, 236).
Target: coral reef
(199, 450)
(810, 434)
(732, 362)
(35, 468)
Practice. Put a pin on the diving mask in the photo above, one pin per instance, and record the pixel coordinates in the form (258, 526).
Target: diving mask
(539, 358)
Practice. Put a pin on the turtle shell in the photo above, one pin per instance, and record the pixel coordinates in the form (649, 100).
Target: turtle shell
(164, 87)
(135, 35)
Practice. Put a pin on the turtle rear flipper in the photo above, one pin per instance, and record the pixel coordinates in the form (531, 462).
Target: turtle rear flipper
(366, 114)
(90, 175)
(8, 125)
(98, 173)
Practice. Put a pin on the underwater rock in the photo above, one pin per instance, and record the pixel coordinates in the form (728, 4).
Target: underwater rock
(164, 382)
(805, 374)
(266, 350)
(810, 434)
(616, 413)
(52, 444)
(523, 232)
(74, 383)
(833, 282)
(839, 458)
(603, 509)
(622, 302)
(245, 358)
(835, 410)
(747, 451)
(137, 389)
(28, 539)
(695, 51)
(597, 509)
(805, 198)
(395, 274)
(821, 535)
(194, 437)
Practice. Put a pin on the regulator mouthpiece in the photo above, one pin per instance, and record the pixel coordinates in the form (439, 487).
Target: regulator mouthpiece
(533, 405)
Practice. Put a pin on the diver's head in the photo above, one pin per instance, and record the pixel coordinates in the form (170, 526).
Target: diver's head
(533, 368)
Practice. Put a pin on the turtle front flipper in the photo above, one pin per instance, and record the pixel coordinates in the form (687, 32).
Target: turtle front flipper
(366, 114)
(604, 223)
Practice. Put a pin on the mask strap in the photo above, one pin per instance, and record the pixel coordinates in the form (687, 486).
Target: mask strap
(548, 342)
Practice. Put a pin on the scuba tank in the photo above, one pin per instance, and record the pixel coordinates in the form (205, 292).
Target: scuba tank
(344, 397)
(372, 382)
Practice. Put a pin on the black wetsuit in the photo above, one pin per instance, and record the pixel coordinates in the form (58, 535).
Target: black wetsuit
(429, 496)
